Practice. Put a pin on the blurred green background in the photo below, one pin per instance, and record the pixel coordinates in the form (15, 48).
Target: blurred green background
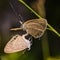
(48, 47)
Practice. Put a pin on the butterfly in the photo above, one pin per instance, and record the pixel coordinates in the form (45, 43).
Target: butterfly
(17, 43)
(34, 27)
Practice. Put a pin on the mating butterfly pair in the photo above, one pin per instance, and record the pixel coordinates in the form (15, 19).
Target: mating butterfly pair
(34, 27)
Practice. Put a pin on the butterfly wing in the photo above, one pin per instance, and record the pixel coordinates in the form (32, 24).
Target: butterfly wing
(15, 44)
(36, 27)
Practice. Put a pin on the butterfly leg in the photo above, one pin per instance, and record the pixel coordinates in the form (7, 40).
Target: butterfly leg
(39, 38)
(25, 35)
(30, 39)
(21, 22)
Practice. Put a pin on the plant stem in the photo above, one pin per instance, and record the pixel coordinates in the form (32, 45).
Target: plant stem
(52, 29)
(39, 17)
(30, 9)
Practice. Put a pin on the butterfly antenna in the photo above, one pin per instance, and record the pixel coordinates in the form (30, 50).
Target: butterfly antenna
(19, 17)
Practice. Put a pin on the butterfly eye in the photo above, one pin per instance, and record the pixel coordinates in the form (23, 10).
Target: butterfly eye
(28, 37)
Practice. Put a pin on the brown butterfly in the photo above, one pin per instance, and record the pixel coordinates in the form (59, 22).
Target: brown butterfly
(34, 27)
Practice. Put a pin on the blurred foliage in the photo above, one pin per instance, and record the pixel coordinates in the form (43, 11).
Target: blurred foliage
(54, 58)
